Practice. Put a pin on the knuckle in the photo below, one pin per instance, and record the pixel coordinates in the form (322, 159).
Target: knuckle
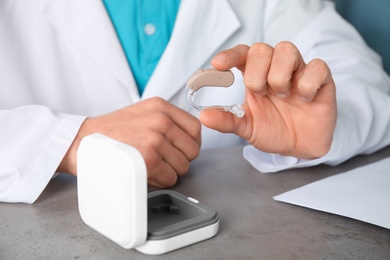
(253, 83)
(192, 153)
(163, 180)
(154, 141)
(319, 63)
(170, 180)
(306, 89)
(244, 46)
(320, 67)
(162, 122)
(278, 81)
(286, 47)
(241, 47)
(152, 160)
(184, 168)
(195, 154)
(197, 127)
(156, 102)
(260, 50)
(195, 131)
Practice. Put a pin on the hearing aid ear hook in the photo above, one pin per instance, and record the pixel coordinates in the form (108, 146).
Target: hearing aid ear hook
(212, 78)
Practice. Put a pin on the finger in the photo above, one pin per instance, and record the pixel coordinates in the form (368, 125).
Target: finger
(162, 159)
(176, 146)
(173, 157)
(257, 67)
(165, 129)
(222, 121)
(234, 57)
(183, 142)
(164, 162)
(286, 61)
(315, 75)
(188, 123)
(162, 176)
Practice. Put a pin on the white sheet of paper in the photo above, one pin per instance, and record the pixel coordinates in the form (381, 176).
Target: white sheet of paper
(362, 193)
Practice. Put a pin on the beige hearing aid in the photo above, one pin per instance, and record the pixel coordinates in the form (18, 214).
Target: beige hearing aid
(212, 78)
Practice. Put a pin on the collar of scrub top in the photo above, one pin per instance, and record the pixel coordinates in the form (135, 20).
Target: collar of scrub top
(212, 78)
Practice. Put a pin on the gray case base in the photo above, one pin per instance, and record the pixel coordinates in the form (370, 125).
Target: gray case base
(171, 214)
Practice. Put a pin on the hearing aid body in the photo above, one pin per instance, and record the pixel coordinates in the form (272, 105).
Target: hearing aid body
(212, 78)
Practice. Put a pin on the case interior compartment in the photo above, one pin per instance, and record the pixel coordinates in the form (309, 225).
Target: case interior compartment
(171, 214)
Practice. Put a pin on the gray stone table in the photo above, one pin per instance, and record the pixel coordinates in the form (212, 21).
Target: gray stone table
(252, 224)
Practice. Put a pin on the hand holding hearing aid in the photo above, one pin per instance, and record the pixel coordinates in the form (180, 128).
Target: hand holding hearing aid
(289, 107)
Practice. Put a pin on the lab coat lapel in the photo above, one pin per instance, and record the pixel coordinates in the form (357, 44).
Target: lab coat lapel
(86, 24)
(194, 40)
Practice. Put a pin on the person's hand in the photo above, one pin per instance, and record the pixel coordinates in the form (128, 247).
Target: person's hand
(167, 137)
(290, 106)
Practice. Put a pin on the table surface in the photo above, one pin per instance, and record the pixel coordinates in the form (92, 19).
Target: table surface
(252, 224)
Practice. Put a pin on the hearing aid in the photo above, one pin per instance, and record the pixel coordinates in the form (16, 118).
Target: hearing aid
(212, 78)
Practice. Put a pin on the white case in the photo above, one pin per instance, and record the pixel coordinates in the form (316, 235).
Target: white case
(113, 200)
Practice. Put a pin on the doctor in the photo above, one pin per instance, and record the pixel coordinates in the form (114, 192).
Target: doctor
(65, 73)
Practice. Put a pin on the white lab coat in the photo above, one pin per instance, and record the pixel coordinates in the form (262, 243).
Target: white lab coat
(60, 61)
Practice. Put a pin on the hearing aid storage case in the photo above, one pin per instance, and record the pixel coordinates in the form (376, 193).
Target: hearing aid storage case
(113, 200)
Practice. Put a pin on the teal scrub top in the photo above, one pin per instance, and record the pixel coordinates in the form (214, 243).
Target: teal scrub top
(144, 28)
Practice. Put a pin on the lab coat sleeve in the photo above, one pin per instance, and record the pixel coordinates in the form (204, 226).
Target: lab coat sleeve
(363, 124)
(33, 139)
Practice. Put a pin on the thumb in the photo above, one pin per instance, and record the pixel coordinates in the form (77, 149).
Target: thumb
(220, 120)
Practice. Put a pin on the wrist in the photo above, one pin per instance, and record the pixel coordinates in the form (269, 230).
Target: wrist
(69, 161)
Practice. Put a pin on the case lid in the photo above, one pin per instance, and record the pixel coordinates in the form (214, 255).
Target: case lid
(112, 189)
